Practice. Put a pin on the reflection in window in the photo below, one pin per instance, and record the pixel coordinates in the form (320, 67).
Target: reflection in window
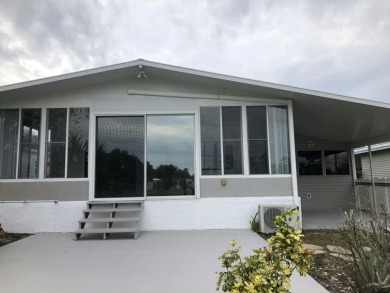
(232, 140)
(170, 155)
(336, 163)
(210, 140)
(119, 157)
(78, 142)
(9, 123)
(257, 140)
(309, 162)
(55, 143)
(29, 143)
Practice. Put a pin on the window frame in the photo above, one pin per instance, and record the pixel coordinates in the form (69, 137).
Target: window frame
(323, 163)
(42, 146)
(245, 150)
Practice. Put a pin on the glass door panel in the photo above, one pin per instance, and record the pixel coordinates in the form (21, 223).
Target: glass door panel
(120, 144)
(170, 155)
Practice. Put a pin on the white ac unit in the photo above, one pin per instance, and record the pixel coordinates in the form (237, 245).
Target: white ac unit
(267, 214)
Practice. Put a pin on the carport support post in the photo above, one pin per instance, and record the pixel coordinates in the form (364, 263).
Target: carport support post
(372, 181)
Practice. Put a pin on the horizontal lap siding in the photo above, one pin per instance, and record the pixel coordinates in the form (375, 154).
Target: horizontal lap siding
(327, 192)
(380, 164)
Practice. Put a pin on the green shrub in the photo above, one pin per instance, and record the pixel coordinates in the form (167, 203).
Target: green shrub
(268, 269)
(369, 243)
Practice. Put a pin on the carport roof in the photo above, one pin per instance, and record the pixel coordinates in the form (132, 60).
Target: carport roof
(316, 114)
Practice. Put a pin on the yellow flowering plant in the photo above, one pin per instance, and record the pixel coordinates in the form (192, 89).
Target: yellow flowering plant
(269, 269)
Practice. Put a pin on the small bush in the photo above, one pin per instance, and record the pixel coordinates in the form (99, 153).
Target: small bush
(268, 269)
(2, 232)
(254, 222)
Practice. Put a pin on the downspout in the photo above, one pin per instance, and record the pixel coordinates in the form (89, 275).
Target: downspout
(372, 181)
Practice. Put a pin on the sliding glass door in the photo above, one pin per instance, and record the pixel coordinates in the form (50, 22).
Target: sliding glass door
(150, 155)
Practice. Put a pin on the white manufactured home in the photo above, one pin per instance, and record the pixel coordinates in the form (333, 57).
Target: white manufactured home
(196, 150)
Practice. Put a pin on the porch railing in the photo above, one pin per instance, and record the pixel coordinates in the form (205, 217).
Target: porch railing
(365, 194)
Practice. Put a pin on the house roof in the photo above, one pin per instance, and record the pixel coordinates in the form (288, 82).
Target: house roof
(316, 114)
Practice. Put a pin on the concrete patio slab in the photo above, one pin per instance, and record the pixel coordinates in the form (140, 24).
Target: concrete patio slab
(158, 262)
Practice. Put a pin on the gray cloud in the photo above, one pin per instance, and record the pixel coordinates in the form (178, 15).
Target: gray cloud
(336, 46)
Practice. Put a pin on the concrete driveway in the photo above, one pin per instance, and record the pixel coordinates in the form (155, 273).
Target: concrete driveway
(158, 262)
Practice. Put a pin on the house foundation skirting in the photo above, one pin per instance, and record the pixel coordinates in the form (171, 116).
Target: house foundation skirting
(165, 214)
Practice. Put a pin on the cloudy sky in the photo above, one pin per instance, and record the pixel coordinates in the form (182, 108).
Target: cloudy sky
(337, 46)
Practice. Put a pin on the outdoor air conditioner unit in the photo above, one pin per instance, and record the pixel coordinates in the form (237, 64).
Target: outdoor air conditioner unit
(267, 214)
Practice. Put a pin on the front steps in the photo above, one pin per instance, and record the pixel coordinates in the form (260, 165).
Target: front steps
(107, 217)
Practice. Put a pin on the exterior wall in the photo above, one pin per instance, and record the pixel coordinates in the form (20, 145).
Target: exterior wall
(113, 98)
(58, 190)
(328, 192)
(218, 207)
(169, 214)
(237, 187)
(380, 164)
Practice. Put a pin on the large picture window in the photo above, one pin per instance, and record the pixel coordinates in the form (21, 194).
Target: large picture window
(267, 140)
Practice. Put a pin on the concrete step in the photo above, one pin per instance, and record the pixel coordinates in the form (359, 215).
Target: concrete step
(110, 210)
(110, 220)
(106, 232)
(115, 202)
(134, 210)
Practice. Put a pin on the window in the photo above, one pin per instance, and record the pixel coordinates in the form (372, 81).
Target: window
(78, 142)
(257, 140)
(55, 143)
(279, 142)
(336, 163)
(211, 140)
(309, 162)
(30, 132)
(64, 153)
(9, 125)
(232, 140)
(60, 144)
(267, 143)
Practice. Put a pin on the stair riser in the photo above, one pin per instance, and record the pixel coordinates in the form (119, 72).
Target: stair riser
(111, 217)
